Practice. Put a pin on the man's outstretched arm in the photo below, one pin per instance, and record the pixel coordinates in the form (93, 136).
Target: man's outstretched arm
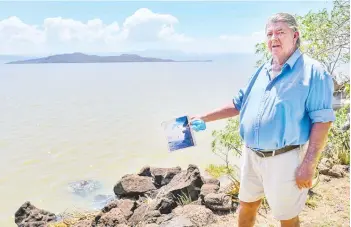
(226, 111)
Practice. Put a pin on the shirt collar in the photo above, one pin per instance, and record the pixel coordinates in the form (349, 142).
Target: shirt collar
(291, 60)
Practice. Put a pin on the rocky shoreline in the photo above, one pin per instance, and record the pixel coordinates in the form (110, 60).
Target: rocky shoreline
(165, 197)
(152, 197)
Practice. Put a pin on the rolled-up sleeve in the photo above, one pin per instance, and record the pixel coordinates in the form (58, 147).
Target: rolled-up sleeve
(319, 104)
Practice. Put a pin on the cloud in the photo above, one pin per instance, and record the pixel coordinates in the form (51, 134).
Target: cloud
(68, 30)
(15, 34)
(147, 26)
(144, 29)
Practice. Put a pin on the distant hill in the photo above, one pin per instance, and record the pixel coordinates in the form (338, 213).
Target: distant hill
(84, 58)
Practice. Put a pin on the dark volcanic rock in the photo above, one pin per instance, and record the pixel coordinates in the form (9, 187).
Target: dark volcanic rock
(145, 172)
(112, 218)
(163, 176)
(133, 185)
(336, 171)
(110, 206)
(139, 214)
(167, 197)
(165, 205)
(29, 216)
(127, 207)
(212, 181)
(179, 221)
(207, 189)
(218, 202)
(187, 182)
(199, 215)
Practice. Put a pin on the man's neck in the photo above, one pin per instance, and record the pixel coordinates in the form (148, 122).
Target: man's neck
(280, 61)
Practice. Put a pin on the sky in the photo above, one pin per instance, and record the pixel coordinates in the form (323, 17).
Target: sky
(47, 27)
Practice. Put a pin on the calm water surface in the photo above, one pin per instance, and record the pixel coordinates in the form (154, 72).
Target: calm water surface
(65, 122)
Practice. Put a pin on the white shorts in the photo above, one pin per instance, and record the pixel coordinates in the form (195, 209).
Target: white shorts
(273, 177)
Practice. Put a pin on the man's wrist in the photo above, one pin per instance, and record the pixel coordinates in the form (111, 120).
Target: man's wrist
(309, 164)
(311, 159)
(204, 118)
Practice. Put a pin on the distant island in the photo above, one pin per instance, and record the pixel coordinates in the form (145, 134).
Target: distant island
(84, 58)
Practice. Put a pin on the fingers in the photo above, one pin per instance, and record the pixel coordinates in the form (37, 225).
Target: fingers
(191, 119)
(299, 185)
(304, 184)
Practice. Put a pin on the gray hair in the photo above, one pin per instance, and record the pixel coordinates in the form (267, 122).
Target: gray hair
(289, 20)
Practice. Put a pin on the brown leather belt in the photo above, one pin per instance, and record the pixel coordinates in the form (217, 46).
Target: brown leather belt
(265, 154)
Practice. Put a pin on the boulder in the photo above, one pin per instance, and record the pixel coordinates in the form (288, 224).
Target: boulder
(164, 218)
(28, 215)
(110, 206)
(327, 167)
(127, 207)
(336, 171)
(145, 172)
(179, 221)
(212, 181)
(133, 185)
(187, 183)
(218, 202)
(198, 215)
(139, 214)
(207, 189)
(111, 219)
(164, 204)
(163, 176)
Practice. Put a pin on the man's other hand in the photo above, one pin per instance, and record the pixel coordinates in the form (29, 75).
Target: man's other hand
(304, 175)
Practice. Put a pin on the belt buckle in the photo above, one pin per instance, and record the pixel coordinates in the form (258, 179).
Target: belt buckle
(262, 155)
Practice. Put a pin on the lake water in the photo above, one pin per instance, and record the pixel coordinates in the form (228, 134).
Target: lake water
(65, 122)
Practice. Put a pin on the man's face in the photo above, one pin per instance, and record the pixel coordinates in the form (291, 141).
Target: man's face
(281, 39)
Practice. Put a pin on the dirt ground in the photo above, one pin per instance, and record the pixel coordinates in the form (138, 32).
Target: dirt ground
(331, 200)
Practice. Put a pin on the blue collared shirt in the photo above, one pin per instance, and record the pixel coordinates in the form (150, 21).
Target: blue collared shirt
(280, 112)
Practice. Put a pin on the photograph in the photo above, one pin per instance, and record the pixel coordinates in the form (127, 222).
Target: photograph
(178, 133)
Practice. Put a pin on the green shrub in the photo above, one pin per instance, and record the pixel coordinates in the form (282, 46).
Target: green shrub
(338, 148)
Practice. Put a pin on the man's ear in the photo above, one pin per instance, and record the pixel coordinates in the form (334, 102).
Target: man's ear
(296, 35)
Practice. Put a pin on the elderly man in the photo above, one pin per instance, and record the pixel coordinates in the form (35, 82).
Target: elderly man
(286, 104)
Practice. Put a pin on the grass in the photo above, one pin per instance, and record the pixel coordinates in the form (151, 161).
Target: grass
(183, 199)
(344, 157)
